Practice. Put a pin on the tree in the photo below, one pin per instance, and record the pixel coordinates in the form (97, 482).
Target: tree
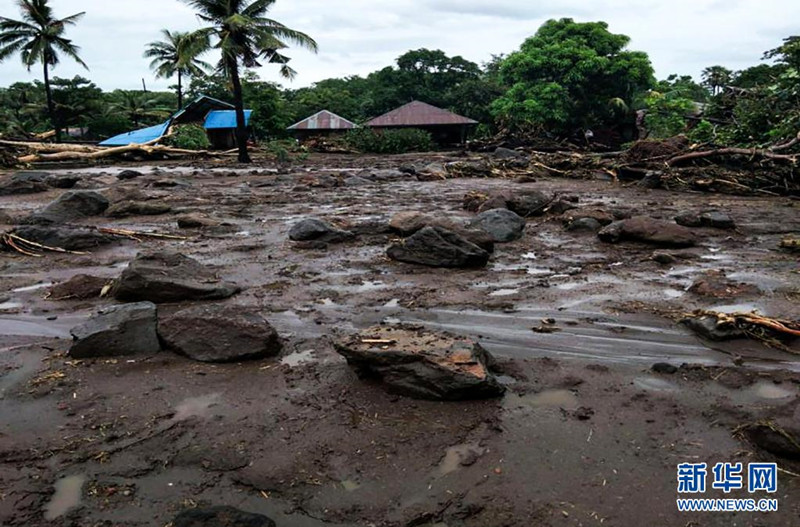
(715, 78)
(178, 54)
(39, 38)
(245, 36)
(571, 76)
(138, 106)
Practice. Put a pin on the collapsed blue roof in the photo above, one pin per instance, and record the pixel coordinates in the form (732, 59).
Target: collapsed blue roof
(144, 135)
(221, 119)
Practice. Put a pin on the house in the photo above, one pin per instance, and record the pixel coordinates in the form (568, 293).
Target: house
(446, 127)
(321, 123)
(217, 117)
(220, 127)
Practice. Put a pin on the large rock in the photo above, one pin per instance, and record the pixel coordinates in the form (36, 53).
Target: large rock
(713, 219)
(314, 229)
(128, 329)
(69, 238)
(413, 361)
(501, 224)
(170, 277)
(408, 223)
(217, 333)
(24, 183)
(137, 208)
(438, 247)
(648, 230)
(71, 206)
(220, 517)
(526, 203)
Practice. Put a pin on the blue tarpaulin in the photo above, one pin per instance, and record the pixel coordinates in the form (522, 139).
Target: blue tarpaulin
(222, 119)
(144, 135)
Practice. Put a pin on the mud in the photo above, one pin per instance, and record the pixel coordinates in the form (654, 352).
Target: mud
(587, 434)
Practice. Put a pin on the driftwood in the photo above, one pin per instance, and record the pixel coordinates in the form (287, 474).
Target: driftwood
(750, 152)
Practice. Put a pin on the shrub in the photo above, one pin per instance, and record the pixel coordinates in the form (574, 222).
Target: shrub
(189, 137)
(397, 141)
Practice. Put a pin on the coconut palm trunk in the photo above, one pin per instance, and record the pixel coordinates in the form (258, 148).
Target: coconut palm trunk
(51, 107)
(238, 102)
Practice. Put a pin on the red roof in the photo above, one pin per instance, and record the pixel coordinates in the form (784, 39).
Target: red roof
(417, 113)
(323, 120)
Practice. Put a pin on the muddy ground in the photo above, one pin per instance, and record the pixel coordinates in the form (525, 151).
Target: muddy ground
(587, 433)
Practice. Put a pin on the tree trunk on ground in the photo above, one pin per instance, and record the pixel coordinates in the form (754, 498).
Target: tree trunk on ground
(238, 101)
(180, 91)
(51, 108)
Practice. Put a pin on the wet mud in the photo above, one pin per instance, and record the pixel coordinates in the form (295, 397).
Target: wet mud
(587, 433)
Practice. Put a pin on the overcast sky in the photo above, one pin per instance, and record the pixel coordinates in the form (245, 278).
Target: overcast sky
(360, 36)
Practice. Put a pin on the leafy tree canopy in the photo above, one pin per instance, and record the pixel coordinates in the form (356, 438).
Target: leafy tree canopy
(571, 76)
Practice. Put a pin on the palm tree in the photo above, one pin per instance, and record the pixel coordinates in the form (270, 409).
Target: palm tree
(245, 36)
(716, 77)
(178, 54)
(136, 106)
(39, 38)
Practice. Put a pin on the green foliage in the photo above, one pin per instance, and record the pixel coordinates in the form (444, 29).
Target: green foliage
(399, 141)
(190, 137)
(703, 132)
(666, 114)
(178, 54)
(563, 78)
(715, 78)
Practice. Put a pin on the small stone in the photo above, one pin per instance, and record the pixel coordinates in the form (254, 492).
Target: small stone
(318, 230)
(502, 225)
(665, 368)
(128, 174)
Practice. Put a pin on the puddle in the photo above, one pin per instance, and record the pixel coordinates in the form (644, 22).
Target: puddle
(297, 358)
(771, 391)
(504, 292)
(30, 326)
(196, 407)
(458, 456)
(67, 495)
(552, 399)
(739, 308)
(34, 287)
(349, 485)
(5, 306)
(654, 384)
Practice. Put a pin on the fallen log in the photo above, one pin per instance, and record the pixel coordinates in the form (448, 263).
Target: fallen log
(750, 152)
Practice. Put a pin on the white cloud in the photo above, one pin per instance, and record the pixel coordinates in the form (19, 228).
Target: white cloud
(360, 36)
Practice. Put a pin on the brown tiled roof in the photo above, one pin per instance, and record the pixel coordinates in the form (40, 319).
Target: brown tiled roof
(417, 113)
(323, 120)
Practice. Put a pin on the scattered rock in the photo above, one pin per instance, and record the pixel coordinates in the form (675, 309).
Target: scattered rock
(318, 230)
(438, 247)
(664, 258)
(432, 172)
(713, 219)
(502, 224)
(79, 287)
(714, 284)
(127, 329)
(218, 333)
(196, 221)
(22, 183)
(69, 207)
(129, 174)
(407, 223)
(170, 277)
(665, 368)
(710, 328)
(6, 218)
(420, 363)
(585, 224)
(69, 238)
(356, 181)
(651, 180)
(63, 182)
(648, 230)
(526, 204)
(170, 183)
(137, 208)
(220, 517)
(561, 206)
(600, 216)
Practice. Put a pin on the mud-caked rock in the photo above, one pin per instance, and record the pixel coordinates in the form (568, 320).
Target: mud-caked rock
(648, 230)
(220, 517)
(71, 206)
(170, 277)
(69, 238)
(438, 247)
(710, 327)
(526, 203)
(79, 287)
(127, 329)
(195, 221)
(712, 219)
(218, 333)
(408, 223)
(314, 229)
(124, 209)
(420, 363)
(584, 225)
(128, 174)
(23, 183)
(502, 225)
